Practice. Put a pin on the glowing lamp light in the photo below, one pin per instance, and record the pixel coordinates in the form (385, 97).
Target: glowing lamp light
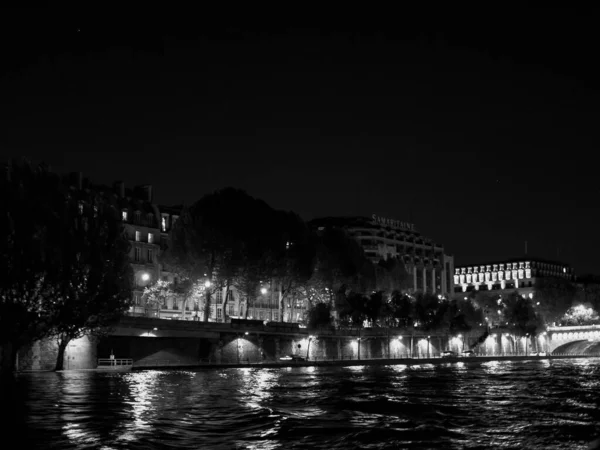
(145, 277)
(263, 291)
(207, 284)
(246, 333)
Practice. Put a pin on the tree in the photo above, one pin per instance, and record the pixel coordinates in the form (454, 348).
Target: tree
(341, 267)
(353, 310)
(580, 315)
(588, 291)
(522, 317)
(94, 276)
(402, 309)
(391, 275)
(32, 203)
(555, 296)
(429, 311)
(231, 239)
(375, 307)
(155, 295)
(319, 315)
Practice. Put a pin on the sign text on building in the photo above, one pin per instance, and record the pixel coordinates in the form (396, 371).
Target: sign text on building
(393, 223)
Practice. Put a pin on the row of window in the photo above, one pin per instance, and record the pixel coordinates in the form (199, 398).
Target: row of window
(511, 266)
(138, 237)
(137, 255)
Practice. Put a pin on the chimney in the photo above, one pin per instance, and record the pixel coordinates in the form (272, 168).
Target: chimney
(148, 192)
(119, 187)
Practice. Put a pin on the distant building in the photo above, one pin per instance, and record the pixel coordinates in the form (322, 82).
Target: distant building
(426, 262)
(140, 217)
(517, 274)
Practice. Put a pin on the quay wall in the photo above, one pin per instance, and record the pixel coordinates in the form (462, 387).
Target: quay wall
(154, 343)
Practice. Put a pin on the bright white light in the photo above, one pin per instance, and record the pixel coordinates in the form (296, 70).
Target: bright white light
(531, 295)
(263, 291)
(145, 277)
(207, 284)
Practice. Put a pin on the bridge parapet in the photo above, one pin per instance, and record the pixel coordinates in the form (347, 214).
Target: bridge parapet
(562, 335)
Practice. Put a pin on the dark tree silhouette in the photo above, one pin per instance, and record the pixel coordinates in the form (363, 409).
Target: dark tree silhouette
(555, 296)
(31, 199)
(94, 275)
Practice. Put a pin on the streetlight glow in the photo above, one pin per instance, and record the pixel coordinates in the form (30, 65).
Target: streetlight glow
(145, 277)
(263, 291)
(207, 283)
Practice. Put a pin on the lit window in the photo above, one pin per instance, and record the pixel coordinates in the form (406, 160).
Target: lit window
(164, 224)
(150, 238)
(124, 216)
(138, 236)
(80, 207)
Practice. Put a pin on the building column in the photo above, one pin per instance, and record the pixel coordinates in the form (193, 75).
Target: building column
(414, 271)
(277, 348)
(443, 284)
(433, 287)
(424, 279)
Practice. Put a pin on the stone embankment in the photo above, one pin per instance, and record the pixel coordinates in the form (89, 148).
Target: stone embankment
(350, 363)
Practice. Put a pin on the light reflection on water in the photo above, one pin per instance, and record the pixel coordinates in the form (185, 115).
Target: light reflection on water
(511, 405)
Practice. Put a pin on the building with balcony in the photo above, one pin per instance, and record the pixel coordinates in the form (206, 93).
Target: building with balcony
(426, 262)
(517, 274)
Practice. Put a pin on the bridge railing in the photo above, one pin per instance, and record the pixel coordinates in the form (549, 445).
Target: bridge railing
(104, 362)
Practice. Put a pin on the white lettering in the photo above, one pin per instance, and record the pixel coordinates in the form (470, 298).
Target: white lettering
(392, 223)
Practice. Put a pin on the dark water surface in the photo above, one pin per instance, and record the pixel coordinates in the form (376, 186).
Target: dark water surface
(508, 405)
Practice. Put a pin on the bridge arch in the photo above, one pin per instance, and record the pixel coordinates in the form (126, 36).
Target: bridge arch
(578, 347)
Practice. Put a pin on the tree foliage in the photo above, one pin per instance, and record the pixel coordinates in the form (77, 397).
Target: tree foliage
(555, 296)
(63, 259)
(94, 278)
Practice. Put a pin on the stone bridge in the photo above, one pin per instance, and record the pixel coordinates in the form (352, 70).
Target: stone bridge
(583, 339)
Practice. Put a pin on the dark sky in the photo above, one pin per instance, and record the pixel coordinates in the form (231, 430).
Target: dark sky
(478, 126)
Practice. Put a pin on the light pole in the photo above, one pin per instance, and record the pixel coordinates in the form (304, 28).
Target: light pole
(358, 345)
(428, 339)
(310, 338)
(207, 300)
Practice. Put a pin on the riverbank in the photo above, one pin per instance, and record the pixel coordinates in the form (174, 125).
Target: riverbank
(356, 362)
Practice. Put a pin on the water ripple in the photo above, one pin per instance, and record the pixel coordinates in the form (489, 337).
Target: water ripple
(504, 405)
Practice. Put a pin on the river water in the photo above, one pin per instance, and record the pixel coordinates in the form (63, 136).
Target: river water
(508, 405)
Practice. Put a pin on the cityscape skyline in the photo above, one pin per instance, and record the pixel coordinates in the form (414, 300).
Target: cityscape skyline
(481, 143)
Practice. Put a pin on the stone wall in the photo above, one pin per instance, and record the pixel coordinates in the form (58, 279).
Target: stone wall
(41, 355)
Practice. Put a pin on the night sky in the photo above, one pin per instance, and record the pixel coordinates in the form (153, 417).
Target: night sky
(480, 129)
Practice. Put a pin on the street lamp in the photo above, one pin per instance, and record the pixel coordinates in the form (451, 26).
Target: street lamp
(263, 291)
(428, 339)
(310, 338)
(145, 276)
(207, 284)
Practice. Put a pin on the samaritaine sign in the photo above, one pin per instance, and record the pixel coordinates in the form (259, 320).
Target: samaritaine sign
(393, 223)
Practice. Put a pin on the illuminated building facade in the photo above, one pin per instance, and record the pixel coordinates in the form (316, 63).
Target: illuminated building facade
(426, 262)
(517, 274)
(140, 217)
